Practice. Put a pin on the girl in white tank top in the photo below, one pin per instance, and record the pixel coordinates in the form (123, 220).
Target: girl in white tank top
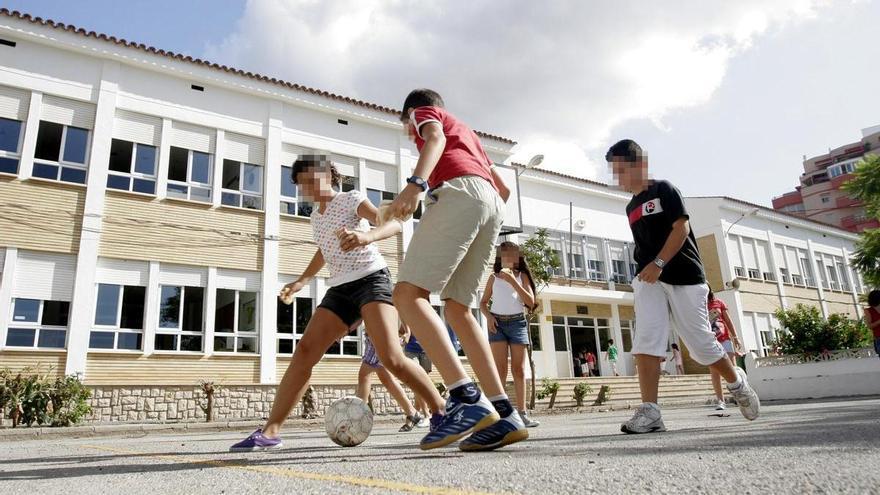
(509, 292)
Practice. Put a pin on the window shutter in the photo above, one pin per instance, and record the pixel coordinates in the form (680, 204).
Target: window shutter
(68, 112)
(749, 254)
(14, 103)
(763, 263)
(382, 177)
(44, 276)
(192, 276)
(122, 272)
(193, 137)
(137, 127)
(733, 251)
(346, 165)
(247, 149)
(793, 264)
(290, 152)
(779, 256)
(238, 280)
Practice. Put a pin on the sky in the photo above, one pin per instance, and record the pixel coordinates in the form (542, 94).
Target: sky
(726, 97)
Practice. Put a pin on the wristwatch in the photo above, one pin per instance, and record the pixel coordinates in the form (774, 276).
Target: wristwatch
(418, 181)
(659, 262)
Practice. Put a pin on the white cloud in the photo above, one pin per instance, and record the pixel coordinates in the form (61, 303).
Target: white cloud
(557, 76)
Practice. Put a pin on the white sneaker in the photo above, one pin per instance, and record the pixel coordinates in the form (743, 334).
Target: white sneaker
(720, 406)
(647, 419)
(746, 397)
(528, 421)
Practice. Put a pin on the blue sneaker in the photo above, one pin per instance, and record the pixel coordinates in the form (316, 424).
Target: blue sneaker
(436, 421)
(505, 432)
(460, 420)
(256, 441)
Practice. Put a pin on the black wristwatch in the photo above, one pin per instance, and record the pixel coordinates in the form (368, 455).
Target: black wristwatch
(419, 182)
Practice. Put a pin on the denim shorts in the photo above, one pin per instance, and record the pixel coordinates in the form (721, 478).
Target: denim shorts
(513, 331)
(346, 300)
(727, 345)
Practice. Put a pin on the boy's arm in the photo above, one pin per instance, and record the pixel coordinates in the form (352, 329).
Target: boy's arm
(503, 190)
(352, 239)
(680, 230)
(435, 142)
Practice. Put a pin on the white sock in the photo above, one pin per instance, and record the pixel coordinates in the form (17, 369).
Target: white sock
(463, 381)
(498, 397)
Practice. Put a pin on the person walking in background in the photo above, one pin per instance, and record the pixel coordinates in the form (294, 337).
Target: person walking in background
(679, 359)
(591, 363)
(611, 356)
(872, 317)
(725, 334)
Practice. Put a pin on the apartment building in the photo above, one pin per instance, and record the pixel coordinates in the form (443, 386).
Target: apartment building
(147, 218)
(820, 196)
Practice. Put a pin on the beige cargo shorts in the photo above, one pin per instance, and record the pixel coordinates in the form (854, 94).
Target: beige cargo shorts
(455, 239)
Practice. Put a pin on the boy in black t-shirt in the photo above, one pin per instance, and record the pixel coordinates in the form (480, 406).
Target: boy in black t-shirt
(670, 278)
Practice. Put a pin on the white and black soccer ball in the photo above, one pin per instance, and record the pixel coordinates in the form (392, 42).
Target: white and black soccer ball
(348, 421)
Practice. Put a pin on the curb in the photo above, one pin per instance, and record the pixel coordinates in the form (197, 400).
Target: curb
(24, 433)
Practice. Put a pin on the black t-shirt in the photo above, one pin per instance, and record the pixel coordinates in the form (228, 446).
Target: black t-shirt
(651, 215)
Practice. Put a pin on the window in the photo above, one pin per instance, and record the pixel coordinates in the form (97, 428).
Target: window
(797, 280)
(754, 274)
(61, 153)
(595, 264)
(190, 175)
(618, 272)
(235, 322)
(786, 278)
(825, 198)
(740, 271)
(181, 318)
(10, 145)
(626, 331)
(769, 276)
(132, 167)
(290, 202)
(560, 339)
(821, 275)
(535, 332)
(348, 345)
(37, 323)
(576, 265)
(844, 277)
(119, 318)
(242, 185)
(807, 271)
(292, 320)
(376, 197)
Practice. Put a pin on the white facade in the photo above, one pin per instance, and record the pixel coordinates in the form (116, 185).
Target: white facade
(772, 260)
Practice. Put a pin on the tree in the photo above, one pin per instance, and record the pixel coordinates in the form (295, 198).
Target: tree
(865, 186)
(809, 334)
(542, 260)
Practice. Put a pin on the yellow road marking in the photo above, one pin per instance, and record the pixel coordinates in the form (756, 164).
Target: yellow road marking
(305, 475)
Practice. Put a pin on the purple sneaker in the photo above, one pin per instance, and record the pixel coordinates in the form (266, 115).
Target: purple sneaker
(257, 441)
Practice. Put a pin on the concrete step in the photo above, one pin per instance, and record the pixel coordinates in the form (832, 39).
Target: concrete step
(674, 390)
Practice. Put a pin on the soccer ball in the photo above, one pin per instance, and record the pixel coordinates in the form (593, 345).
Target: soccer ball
(348, 421)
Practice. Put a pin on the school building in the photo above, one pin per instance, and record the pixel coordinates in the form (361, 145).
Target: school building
(147, 222)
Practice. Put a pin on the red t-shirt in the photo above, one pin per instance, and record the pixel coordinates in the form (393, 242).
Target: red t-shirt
(716, 321)
(463, 155)
(874, 318)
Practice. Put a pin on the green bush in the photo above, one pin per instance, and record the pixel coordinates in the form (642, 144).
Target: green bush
(581, 390)
(30, 396)
(806, 332)
(549, 387)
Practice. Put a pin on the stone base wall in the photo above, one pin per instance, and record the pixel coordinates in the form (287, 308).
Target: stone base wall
(171, 404)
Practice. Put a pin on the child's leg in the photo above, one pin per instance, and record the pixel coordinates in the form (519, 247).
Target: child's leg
(716, 384)
(499, 354)
(323, 329)
(380, 320)
(396, 391)
(475, 345)
(365, 382)
(416, 311)
(518, 367)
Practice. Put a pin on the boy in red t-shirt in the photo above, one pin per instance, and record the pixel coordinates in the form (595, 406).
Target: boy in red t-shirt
(449, 254)
(725, 334)
(872, 317)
